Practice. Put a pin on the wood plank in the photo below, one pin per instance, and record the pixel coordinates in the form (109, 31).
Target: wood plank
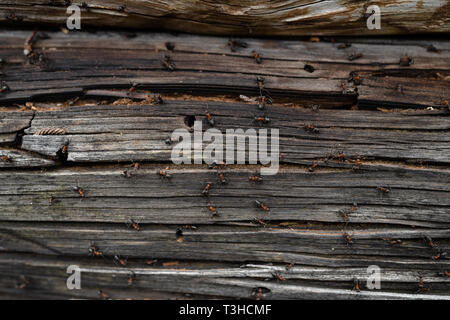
(138, 132)
(417, 197)
(118, 61)
(48, 274)
(234, 17)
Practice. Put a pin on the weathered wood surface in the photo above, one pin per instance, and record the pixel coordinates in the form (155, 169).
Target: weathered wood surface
(268, 18)
(47, 224)
(205, 65)
(138, 133)
(417, 198)
(193, 280)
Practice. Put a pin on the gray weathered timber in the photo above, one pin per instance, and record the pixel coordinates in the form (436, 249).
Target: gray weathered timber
(266, 18)
(417, 197)
(48, 275)
(138, 133)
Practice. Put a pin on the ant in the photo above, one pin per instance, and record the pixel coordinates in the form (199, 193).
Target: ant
(356, 164)
(51, 200)
(120, 261)
(260, 82)
(348, 239)
(314, 165)
(344, 45)
(205, 191)
(257, 293)
(24, 282)
(310, 128)
(255, 178)
(439, 255)
(261, 119)
(421, 287)
(355, 78)
(356, 285)
(222, 178)
(429, 241)
(131, 170)
(131, 224)
(210, 119)
(131, 278)
(6, 158)
(103, 295)
(344, 214)
(168, 63)
(4, 87)
(261, 205)
(260, 222)
(80, 191)
(289, 267)
(354, 56)
(262, 102)
(257, 57)
(397, 241)
(384, 189)
(212, 210)
(234, 44)
(190, 227)
(132, 88)
(123, 9)
(163, 173)
(278, 276)
(94, 251)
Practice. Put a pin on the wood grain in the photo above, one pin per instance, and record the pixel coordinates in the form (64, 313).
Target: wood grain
(287, 18)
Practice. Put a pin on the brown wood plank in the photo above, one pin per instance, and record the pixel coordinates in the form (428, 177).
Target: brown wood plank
(234, 17)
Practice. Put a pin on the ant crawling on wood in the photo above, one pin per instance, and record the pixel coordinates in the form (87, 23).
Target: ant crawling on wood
(94, 251)
(6, 158)
(128, 173)
(103, 294)
(131, 224)
(210, 119)
(222, 178)
(257, 57)
(262, 206)
(384, 189)
(131, 278)
(205, 191)
(235, 44)
(348, 239)
(4, 87)
(168, 63)
(256, 178)
(164, 174)
(212, 210)
(80, 191)
(356, 285)
(420, 286)
(261, 120)
(120, 261)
